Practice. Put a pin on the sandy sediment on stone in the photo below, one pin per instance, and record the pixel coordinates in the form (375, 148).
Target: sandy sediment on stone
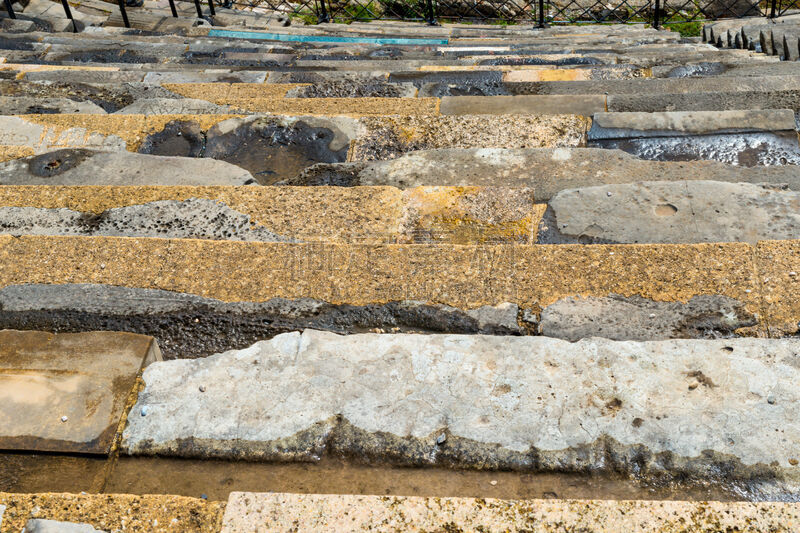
(461, 276)
(313, 512)
(461, 215)
(114, 512)
(356, 107)
(7, 153)
(220, 93)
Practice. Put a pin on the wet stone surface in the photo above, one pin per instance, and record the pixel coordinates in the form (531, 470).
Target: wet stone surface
(273, 150)
(178, 138)
(438, 84)
(188, 326)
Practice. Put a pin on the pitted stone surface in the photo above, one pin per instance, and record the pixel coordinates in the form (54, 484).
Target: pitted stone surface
(76, 166)
(174, 106)
(547, 170)
(20, 105)
(189, 219)
(188, 326)
(283, 513)
(720, 411)
(640, 319)
(672, 212)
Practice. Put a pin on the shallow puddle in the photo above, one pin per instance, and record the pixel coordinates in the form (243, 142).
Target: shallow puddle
(216, 479)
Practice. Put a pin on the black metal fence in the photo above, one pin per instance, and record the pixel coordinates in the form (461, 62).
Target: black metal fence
(540, 12)
(655, 12)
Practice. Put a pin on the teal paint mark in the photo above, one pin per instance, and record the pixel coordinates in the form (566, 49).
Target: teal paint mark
(321, 38)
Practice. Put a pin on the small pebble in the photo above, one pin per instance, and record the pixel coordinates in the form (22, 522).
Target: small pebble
(493, 482)
(793, 274)
(652, 315)
(747, 291)
(202, 388)
(441, 438)
(145, 410)
(203, 497)
(102, 266)
(771, 399)
(608, 193)
(793, 462)
(64, 418)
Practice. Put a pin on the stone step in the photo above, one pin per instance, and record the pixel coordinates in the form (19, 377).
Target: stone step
(121, 168)
(466, 401)
(746, 138)
(158, 287)
(546, 170)
(68, 392)
(114, 512)
(309, 140)
(284, 512)
(458, 215)
(705, 101)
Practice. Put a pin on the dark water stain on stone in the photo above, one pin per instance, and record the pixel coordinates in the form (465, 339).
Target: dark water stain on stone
(467, 83)
(272, 151)
(54, 163)
(178, 138)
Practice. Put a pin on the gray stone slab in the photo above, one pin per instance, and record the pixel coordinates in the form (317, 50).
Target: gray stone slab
(205, 77)
(672, 212)
(66, 392)
(20, 105)
(172, 318)
(546, 170)
(657, 85)
(173, 106)
(711, 101)
(86, 76)
(635, 124)
(658, 410)
(2, 512)
(194, 218)
(640, 319)
(88, 167)
(528, 104)
(746, 138)
(39, 525)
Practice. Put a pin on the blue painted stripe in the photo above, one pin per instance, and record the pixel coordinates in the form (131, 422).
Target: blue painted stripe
(320, 38)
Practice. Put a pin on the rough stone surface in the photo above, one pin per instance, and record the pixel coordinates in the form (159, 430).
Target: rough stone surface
(66, 392)
(39, 525)
(188, 326)
(640, 319)
(183, 106)
(21, 105)
(718, 411)
(116, 512)
(389, 137)
(247, 512)
(188, 219)
(672, 212)
(77, 166)
(525, 105)
(622, 125)
(546, 170)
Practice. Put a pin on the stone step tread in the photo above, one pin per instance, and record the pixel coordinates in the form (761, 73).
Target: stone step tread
(114, 512)
(284, 512)
(68, 392)
(307, 214)
(462, 276)
(466, 401)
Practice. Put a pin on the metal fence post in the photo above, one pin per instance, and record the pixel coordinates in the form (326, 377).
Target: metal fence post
(211, 7)
(198, 8)
(124, 12)
(541, 13)
(430, 14)
(172, 8)
(322, 16)
(657, 14)
(68, 12)
(772, 9)
(10, 10)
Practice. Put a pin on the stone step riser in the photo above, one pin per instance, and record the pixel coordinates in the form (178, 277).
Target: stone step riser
(530, 277)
